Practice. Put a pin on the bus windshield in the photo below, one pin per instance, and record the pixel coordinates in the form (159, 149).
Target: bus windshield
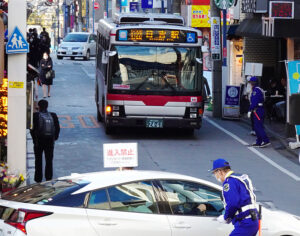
(155, 69)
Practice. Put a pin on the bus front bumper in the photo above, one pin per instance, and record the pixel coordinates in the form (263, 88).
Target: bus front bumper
(143, 122)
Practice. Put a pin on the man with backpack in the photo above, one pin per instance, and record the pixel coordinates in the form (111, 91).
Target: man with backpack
(44, 133)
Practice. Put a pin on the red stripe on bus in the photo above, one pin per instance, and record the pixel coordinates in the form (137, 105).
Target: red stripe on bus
(200, 37)
(113, 34)
(153, 100)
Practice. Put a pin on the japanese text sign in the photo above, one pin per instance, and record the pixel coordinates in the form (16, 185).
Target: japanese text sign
(120, 155)
(200, 16)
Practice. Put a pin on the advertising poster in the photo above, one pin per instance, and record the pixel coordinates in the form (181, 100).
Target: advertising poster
(200, 17)
(215, 38)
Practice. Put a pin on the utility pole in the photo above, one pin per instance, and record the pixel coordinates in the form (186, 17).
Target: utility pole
(16, 126)
(216, 69)
(58, 23)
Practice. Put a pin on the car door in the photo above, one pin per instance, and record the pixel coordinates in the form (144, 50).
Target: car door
(195, 208)
(127, 209)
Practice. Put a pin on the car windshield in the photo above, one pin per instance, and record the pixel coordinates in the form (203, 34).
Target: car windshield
(56, 192)
(139, 68)
(76, 38)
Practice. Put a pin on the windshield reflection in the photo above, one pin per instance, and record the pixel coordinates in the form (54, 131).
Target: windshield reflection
(137, 68)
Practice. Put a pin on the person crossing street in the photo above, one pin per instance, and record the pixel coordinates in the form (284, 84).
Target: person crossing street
(257, 112)
(239, 200)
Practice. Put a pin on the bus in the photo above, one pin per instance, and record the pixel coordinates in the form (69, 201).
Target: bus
(148, 72)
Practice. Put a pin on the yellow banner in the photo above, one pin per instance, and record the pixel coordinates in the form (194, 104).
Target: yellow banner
(200, 16)
(15, 84)
(83, 8)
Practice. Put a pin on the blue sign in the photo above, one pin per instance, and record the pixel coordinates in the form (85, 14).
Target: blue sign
(134, 6)
(191, 37)
(147, 3)
(124, 3)
(123, 35)
(17, 43)
(232, 97)
(294, 81)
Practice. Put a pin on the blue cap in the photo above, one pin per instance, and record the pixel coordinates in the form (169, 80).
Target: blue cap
(219, 163)
(253, 79)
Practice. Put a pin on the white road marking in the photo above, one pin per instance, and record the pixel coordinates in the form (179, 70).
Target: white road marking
(91, 75)
(252, 149)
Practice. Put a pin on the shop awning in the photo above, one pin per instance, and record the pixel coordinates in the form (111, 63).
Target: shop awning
(250, 28)
(231, 32)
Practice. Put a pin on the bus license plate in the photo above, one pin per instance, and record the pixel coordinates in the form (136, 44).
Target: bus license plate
(154, 123)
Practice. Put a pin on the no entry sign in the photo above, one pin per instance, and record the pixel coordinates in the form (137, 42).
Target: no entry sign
(96, 5)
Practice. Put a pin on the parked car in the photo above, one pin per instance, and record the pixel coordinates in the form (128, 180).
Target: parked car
(125, 203)
(77, 44)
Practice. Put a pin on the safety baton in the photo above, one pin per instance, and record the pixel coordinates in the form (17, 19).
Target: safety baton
(256, 115)
(259, 220)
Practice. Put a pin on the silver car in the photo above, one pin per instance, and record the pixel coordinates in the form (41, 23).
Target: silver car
(77, 44)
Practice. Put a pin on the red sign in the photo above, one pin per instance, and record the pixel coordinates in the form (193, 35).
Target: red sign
(282, 10)
(96, 5)
(200, 2)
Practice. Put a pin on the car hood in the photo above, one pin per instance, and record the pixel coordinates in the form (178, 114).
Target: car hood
(72, 44)
(275, 222)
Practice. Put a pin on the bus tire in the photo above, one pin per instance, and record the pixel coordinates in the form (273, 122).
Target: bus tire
(99, 117)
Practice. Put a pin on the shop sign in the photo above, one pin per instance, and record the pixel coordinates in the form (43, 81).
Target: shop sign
(294, 81)
(200, 16)
(224, 4)
(16, 84)
(232, 102)
(282, 10)
(215, 38)
(120, 155)
(134, 6)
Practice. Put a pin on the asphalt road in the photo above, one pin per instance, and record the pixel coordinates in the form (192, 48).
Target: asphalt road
(275, 175)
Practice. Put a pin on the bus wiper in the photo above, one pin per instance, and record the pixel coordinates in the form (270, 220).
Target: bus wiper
(141, 84)
(167, 83)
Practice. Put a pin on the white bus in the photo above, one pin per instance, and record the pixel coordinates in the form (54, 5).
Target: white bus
(149, 72)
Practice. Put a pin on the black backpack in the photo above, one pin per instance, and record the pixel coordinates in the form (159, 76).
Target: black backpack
(46, 127)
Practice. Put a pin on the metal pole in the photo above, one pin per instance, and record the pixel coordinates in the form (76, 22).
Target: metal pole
(87, 16)
(93, 16)
(1, 50)
(216, 72)
(58, 23)
(162, 6)
(224, 38)
(16, 139)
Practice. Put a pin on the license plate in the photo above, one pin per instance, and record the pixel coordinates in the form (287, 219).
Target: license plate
(154, 123)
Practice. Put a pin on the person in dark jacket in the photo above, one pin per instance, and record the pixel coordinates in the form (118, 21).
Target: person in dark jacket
(46, 65)
(43, 143)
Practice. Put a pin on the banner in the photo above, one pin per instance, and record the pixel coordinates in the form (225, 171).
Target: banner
(200, 16)
(294, 81)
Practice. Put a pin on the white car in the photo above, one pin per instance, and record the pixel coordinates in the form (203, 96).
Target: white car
(77, 44)
(127, 203)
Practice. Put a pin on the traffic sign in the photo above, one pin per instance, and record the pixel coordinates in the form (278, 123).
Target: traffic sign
(17, 43)
(224, 4)
(96, 5)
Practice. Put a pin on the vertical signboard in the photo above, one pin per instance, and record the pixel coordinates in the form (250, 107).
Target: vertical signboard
(215, 38)
(134, 6)
(232, 102)
(294, 81)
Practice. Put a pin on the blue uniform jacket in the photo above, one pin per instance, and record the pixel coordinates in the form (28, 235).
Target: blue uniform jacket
(235, 196)
(257, 97)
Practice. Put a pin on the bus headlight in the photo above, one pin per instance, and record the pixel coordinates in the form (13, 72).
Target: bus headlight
(193, 115)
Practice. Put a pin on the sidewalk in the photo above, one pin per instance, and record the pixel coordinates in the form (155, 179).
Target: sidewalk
(277, 130)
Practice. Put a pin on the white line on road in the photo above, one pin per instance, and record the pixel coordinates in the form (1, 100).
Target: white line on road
(252, 149)
(91, 75)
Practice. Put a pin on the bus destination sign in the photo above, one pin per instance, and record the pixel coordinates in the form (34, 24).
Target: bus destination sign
(157, 35)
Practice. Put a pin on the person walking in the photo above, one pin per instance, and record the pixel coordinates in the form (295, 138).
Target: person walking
(45, 41)
(46, 65)
(239, 200)
(257, 112)
(44, 134)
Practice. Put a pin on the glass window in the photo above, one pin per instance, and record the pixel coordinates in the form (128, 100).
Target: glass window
(139, 68)
(76, 38)
(99, 200)
(133, 197)
(55, 192)
(189, 198)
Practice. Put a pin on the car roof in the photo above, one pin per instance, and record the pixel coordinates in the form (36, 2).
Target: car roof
(103, 179)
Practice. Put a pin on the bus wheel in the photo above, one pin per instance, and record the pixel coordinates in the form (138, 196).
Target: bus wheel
(99, 117)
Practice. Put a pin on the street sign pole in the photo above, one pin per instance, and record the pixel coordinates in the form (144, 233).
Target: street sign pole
(93, 16)
(16, 142)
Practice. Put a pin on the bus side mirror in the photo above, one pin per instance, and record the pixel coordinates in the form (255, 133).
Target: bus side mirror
(106, 55)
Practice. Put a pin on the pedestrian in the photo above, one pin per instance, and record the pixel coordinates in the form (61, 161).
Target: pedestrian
(44, 134)
(257, 113)
(45, 42)
(239, 200)
(46, 65)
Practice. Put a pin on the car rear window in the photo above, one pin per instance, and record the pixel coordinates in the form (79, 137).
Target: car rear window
(57, 193)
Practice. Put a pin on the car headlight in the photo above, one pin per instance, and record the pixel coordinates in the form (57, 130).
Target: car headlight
(81, 48)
